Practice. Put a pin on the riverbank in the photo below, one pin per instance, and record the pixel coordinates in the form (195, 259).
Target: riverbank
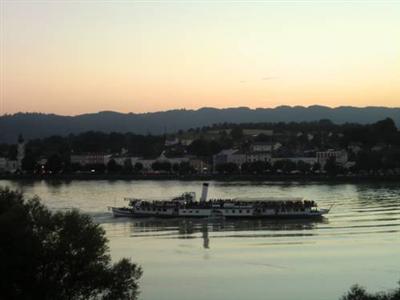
(208, 177)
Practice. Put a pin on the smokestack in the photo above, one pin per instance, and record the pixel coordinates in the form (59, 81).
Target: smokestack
(204, 192)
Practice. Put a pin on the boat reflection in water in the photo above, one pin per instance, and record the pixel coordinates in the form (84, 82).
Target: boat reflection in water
(224, 228)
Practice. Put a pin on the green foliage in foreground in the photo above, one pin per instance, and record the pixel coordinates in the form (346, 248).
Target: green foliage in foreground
(61, 255)
(359, 293)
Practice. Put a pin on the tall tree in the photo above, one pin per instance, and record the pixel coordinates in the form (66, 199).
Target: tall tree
(54, 163)
(138, 167)
(128, 167)
(112, 166)
(330, 166)
(57, 256)
(29, 162)
(237, 133)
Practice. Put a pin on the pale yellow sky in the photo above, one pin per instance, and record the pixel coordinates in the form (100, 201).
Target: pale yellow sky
(71, 57)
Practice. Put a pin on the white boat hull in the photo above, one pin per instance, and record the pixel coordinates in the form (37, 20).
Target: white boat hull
(122, 212)
(224, 213)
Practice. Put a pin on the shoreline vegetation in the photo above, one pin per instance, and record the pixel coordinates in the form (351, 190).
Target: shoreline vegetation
(206, 177)
(357, 292)
(316, 151)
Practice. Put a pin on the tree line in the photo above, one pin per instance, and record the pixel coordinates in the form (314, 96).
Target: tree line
(296, 137)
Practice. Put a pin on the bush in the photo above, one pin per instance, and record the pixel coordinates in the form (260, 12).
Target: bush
(61, 255)
(359, 293)
(227, 168)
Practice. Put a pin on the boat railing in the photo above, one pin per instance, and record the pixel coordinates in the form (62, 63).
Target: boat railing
(269, 199)
(188, 196)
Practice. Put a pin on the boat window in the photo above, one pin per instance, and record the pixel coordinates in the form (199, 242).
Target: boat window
(233, 210)
(240, 211)
(248, 210)
(164, 209)
(190, 211)
(197, 211)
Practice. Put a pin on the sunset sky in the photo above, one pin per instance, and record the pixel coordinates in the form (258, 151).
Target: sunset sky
(72, 57)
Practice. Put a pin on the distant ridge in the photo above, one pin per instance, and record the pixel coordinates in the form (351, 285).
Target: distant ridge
(37, 125)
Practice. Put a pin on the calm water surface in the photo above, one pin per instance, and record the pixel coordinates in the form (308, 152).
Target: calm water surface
(359, 241)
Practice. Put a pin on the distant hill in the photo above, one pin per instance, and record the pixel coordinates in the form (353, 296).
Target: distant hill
(36, 125)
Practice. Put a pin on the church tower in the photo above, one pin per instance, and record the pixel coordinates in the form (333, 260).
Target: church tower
(20, 150)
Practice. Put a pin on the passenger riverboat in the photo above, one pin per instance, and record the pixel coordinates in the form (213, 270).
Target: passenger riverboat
(186, 206)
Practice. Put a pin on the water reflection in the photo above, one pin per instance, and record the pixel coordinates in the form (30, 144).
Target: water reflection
(54, 185)
(207, 229)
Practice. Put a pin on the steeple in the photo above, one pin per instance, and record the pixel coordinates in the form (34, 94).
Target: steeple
(20, 150)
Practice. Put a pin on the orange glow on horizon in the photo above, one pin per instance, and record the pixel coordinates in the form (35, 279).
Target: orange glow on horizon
(79, 57)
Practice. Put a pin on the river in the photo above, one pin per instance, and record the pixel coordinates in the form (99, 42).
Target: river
(358, 241)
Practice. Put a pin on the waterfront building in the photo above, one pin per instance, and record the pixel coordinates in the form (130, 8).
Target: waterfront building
(13, 165)
(265, 146)
(90, 159)
(229, 156)
(308, 160)
(172, 160)
(200, 166)
(261, 147)
(8, 165)
(146, 163)
(171, 142)
(121, 159)
(185, 142)
(258, 156)
(340, 157)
